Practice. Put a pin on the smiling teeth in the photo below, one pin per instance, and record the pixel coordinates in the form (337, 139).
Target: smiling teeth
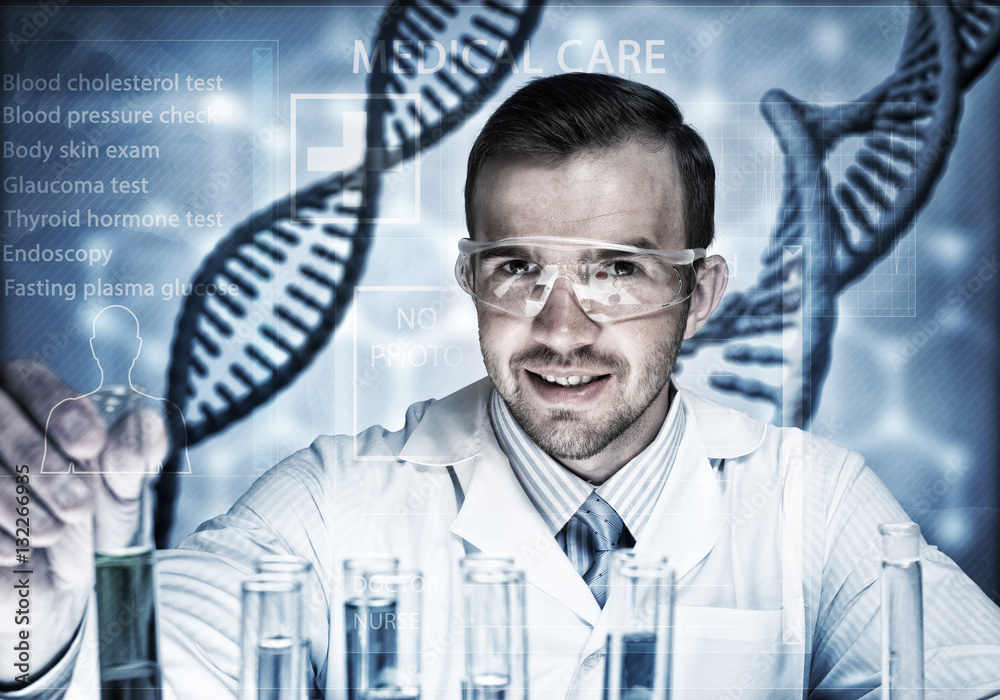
(567, 381)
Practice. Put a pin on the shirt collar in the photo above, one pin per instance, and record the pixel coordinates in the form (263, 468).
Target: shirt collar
(557, 493)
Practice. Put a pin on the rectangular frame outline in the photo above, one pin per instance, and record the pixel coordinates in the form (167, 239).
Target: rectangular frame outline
(354, 370)
(415, 219)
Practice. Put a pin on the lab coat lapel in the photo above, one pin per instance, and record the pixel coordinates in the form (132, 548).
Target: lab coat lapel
(689, 515)
(448, 431)
(496, 515)
(687, 518)
(498, 518)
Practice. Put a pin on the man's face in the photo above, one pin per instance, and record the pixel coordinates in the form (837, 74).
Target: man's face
(631, 196)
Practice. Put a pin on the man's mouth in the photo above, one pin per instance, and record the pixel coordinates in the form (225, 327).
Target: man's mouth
(574, 380)
(576, 384)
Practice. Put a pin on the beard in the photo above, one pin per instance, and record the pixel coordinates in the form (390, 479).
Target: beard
(572, 434)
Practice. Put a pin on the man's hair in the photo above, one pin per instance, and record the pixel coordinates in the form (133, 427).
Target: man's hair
(561, 116)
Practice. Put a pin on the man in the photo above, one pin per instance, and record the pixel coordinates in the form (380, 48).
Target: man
(589, 204)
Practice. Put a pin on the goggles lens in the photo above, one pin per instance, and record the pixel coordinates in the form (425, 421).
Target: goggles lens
(611, 281)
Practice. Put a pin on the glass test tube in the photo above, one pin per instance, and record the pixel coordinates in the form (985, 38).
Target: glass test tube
(902, 613)
(126, 610)
(298, 569)
(392, 661)
(270, 639)
(363, 612)
(481, 561)
(124, 578)
(495, 632)
(640, 608)
(485, 561)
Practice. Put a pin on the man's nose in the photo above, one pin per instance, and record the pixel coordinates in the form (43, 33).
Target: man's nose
(562, 323)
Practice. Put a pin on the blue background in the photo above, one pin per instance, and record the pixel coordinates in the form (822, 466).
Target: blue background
(912, 385)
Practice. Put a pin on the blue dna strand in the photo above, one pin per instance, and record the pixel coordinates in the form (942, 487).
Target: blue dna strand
(296, 274)
(828, 237)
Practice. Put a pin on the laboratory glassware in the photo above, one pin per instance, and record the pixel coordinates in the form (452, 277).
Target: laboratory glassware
(640, 612)
(902, 613)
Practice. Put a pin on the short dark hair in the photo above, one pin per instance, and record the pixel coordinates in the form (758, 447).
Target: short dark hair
(560, 116)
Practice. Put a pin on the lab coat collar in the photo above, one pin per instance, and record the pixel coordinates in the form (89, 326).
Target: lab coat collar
(724, 433)
(451, 429)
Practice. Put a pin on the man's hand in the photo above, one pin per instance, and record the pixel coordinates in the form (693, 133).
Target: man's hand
(91, 473)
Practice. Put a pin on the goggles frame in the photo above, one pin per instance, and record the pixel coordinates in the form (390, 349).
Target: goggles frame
(468, 247)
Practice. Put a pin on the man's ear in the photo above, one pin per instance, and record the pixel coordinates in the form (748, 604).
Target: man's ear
(712, 279)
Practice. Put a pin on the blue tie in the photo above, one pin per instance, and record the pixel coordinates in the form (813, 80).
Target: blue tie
(608, 532)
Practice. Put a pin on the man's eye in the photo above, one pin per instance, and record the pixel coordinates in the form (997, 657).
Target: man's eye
(622, 268)
(517, 267)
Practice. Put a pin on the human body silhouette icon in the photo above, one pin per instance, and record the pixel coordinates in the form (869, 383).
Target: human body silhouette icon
(136, 421)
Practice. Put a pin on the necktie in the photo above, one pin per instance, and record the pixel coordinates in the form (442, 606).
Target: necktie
(608, 532)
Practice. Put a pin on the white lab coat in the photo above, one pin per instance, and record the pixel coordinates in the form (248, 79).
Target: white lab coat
(772, 532)
(740, 621)
(740, 610)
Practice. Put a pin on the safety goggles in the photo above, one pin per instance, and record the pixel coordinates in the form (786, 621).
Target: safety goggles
(611, 281)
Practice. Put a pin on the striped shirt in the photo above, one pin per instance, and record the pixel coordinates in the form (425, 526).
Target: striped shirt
(558, 493)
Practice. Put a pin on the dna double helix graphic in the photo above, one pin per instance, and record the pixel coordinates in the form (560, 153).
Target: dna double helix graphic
(297, 276)
(827, 237)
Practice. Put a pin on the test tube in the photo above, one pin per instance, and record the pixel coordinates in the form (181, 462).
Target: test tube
(270, 639)
(362, 612)
(495, 633)
(298, 569)
(640, 610)
(126, 610)
(392, 657)
(902, 613)
(482, 561)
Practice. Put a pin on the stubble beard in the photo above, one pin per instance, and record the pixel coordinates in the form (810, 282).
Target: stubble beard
(568, 434)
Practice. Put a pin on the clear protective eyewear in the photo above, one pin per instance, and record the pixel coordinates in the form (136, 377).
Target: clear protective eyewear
(611, 281)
